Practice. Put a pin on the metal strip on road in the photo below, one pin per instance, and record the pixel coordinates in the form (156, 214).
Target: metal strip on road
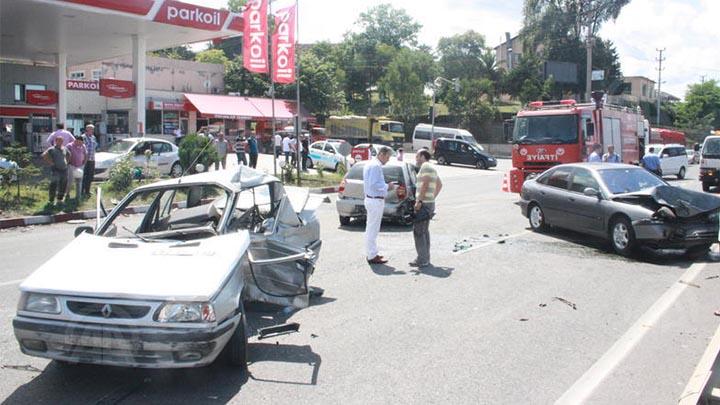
(491, 242)
(6, 283)
(588, 382)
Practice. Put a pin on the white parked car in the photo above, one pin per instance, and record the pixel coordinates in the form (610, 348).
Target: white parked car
(331, 154)
(673, 159)
(166, 289)
(164, 156)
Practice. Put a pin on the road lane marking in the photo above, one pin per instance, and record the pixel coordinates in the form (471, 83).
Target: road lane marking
(491, 242)
(6, 283)
(594, 376)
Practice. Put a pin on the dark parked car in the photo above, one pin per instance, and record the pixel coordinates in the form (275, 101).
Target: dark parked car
(448, 151)
(625, 204)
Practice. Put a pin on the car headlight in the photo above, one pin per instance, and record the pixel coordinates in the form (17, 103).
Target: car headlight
(186, 312)
(43, 303)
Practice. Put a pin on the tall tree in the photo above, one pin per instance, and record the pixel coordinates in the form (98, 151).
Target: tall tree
(701, 108)
(462, 55)
(404, 82)
(385, 24)
(182, 52)
(212, 56)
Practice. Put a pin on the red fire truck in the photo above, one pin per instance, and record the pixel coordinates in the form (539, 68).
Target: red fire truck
(546, 134)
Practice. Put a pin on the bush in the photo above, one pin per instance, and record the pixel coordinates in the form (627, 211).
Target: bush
(320, 170)
(198, 147)
(288, 171)
(121, 174)
(23, 172)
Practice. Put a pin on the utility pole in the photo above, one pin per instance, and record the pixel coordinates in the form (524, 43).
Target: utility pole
(660, 60)
(588, 68)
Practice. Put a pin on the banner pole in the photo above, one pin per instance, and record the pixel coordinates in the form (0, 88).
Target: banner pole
(272, 91)
(298, 123)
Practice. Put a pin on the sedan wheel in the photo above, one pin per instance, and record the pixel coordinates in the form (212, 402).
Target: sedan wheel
(537, 218)
(441, 160)
(176, 170)
(480, 164)
(622, 237)
(681, 173)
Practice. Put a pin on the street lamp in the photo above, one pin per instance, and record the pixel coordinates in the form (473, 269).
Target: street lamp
(436, 85)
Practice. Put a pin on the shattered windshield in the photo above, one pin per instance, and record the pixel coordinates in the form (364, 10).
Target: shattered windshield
(550, 129)
(620, 181)
(177, 213)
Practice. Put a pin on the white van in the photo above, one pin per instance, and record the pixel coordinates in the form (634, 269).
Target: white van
(423, 135)
(673, 159)
(710, 162)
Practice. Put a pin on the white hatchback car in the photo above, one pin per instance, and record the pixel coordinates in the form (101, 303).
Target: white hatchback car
(164, 156)
(673, 159)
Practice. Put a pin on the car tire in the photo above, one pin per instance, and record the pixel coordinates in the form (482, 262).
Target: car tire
(681, 173)
(236, 347)
(176, 170)
(344, 221)
(442, 161)
(705, 186)
(697, 252)
(481, 165)
(622, 236)
(536, 217)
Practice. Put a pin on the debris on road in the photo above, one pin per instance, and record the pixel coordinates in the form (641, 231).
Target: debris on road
(524, 319)
(273, 331)
(566, 302)
(717, 313)
(501, 241)
(312, 335)
(25, 367)
(689, 283)
(542, 305)
(712, 277)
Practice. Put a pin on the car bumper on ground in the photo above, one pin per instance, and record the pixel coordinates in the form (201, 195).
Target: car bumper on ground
(355, 208)
(143, 347)
(667, 236)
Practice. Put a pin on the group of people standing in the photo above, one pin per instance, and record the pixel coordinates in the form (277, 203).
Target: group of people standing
(650, 161)
(289, 145)
(72, 161)
(241, 145)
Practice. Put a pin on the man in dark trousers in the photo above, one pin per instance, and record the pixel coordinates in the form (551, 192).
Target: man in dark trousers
(304, 152)
(253, 151)
(89, 169)
(57, 157)
(428, 187)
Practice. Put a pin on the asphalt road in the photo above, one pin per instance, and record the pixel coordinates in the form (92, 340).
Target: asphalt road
(484, 325)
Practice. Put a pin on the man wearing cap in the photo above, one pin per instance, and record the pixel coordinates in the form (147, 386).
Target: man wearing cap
(89, 169)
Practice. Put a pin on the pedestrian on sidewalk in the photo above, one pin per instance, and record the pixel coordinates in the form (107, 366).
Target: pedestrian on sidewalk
(57, 157)
(293, 150)
(253, 150)
(304, 152)
(240, 149)
(376, 189)
(89, 169)
(286, 148)
(221, 147)
(278, 144)
(78, 157)
(60, 132)
(429, 186)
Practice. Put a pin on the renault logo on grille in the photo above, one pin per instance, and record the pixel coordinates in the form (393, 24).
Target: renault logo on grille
(106, 311)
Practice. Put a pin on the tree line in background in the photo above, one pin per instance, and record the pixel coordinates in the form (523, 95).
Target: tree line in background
(380, 68)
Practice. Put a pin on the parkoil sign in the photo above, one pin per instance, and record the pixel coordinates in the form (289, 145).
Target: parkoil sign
(139, 7)
(82, 85)
(255, 58)
(117, 88)
(188, 15)
(283, 46)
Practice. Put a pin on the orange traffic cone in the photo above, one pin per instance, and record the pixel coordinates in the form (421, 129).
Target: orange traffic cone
(505, 184)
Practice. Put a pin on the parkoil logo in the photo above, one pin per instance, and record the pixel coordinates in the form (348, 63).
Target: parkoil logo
(187, 15)
(255, 28)
(284, 46)
(119, 89)
(194, 15)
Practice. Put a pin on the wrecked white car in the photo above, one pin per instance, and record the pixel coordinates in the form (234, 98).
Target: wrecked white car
(166, 288)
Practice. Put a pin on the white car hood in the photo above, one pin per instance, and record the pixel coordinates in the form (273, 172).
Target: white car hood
(94, 266)
(106, 156)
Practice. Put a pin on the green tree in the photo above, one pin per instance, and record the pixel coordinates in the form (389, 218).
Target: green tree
(462, 55)
(405, 80)
(212, 56)
(178, 52)
(240, 80)
(525, 81)
(701, 108)
(385, 24)
(236, 6)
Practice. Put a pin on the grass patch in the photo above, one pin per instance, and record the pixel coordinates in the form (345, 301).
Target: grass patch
(313, 180)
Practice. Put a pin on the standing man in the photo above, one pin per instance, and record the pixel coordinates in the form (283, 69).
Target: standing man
(611, 156)
(240, 149)
(278, 144)
(178, 135)
(596, 155)
(651, 162)
(253, 150)
(221, 147)
(304, 152)
(375, 192)
(428, 189)
(89, 170)
(286, 148)
(60, 132)
(57, 157)
(78, 156)
(293, 150)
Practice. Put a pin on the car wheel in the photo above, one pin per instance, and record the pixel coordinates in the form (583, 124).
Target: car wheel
(681, 173)
(344, 221)
(706, 186)
(480, 164)
(622, 236)
(697, 252)
(176, 170)
(441, 160)
(536, 217)
(236, 348)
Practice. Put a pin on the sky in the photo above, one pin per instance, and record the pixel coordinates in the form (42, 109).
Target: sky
(686, 29)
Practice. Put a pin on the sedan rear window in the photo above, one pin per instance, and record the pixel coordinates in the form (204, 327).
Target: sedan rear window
(391, 173)
(620, 181)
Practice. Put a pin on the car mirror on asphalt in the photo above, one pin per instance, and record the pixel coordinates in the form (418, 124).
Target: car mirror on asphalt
(83, 229)
(591, 192)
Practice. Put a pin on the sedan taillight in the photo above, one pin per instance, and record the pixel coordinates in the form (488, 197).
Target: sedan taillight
(401, 192)
(341, 188)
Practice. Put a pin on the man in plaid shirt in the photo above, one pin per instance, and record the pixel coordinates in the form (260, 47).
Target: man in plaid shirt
(89, 169)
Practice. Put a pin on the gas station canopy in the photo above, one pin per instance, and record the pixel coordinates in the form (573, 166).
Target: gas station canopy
(89, 30)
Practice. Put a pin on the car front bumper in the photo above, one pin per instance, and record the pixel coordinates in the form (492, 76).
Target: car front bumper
(143, 347)
(709, 176)
(668, 236)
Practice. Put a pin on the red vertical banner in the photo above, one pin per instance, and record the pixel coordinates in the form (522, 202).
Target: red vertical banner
(255, 57)
(283, 46)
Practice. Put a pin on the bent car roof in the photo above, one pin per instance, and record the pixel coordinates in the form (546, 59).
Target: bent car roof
(235, 180)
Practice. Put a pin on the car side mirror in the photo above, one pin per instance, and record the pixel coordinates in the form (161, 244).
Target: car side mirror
(591, 192)
(83, 229)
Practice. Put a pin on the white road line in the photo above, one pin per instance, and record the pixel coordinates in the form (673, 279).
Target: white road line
(588, 382)
(491, 242)
(6, 283)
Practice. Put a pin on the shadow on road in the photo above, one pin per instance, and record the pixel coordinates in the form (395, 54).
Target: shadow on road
(385, 270)
(434, 271)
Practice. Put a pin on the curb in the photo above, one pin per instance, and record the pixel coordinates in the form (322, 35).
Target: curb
(69, 216)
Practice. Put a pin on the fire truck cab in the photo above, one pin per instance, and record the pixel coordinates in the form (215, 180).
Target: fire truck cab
(546, 134)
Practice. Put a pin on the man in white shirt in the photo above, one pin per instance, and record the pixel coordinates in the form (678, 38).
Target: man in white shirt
(278, 145)
(286, 148)
(376, 190)
(67, 137)
(596, 155)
